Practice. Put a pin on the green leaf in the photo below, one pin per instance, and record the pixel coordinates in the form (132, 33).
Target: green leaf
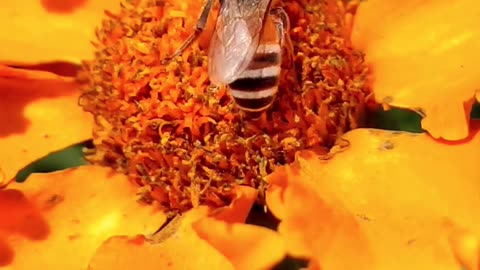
(475, 111)
(69, 157)
(395, 119)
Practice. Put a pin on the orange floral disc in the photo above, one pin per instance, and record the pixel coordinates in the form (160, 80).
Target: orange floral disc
(166, 125)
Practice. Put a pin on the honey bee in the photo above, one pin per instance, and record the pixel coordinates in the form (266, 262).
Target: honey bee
(246, 50)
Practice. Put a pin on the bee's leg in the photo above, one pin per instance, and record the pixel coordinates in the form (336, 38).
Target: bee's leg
(201, 23)
(282, 23)
(243, 126)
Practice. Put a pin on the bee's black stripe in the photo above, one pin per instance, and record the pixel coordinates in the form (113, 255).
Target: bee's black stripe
(254, 84)
(262, 60)
(254, 104)
(253, 115)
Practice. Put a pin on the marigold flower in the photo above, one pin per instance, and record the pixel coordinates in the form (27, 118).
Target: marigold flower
(185, 178)
(170, 131)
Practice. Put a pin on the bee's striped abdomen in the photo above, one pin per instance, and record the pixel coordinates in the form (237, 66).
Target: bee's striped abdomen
(255, 88)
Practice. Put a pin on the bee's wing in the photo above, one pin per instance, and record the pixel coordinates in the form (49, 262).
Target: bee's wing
(236, 38)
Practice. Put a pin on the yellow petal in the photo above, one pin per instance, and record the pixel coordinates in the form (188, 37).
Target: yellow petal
(246, 246)
(183, 249)
(58, 220)
(199, 239)
(314, 227)
(40, 114)
(36, 31)
(425, 57)
(391, 200)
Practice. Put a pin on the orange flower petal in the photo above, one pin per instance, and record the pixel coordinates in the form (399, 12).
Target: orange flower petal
(36, 31)
(391, 200)
(199, 239)
(7, 72)
(238, 210)
(58, 220)
(246, 246)
(183, 249)
(425, 57)
(39, 115)
(314, 227)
